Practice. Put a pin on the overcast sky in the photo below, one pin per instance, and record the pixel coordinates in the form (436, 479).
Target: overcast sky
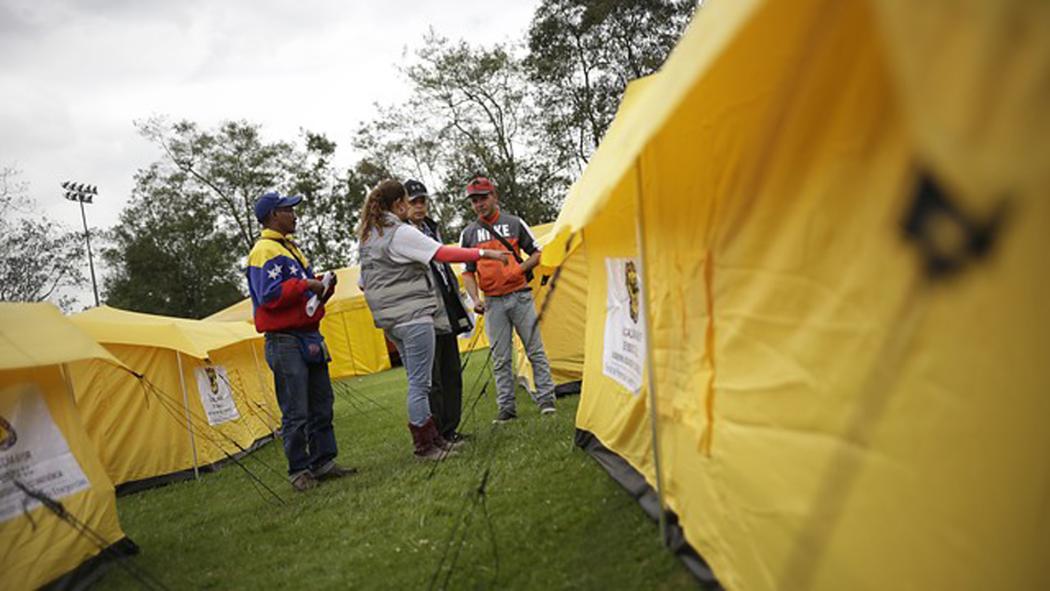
(74, 75)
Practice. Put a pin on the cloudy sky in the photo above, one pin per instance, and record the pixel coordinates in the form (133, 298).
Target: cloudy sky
(75, 74)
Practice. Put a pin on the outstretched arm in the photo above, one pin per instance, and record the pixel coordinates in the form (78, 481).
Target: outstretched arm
(456, 254)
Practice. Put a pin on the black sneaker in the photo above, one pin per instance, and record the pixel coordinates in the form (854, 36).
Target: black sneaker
(505, 416)
(547, 408)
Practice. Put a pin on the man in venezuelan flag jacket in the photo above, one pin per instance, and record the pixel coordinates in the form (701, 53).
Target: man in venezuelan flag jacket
(282, 283)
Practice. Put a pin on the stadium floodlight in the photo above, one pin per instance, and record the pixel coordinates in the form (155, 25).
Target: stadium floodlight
(82, 194)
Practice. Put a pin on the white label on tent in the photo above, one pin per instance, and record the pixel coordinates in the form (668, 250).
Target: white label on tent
(33, 452)
(624, 355)
(214, 386)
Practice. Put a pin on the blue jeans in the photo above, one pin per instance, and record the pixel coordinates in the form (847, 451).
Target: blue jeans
(415, 343)
(304, 393)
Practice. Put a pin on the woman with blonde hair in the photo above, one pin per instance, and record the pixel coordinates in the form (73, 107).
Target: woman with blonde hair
(395, 275)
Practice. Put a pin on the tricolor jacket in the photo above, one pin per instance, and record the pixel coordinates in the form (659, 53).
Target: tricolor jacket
(277, 274)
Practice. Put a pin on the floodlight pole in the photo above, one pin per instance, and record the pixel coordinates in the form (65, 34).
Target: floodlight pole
(91, 258)
(80, 193)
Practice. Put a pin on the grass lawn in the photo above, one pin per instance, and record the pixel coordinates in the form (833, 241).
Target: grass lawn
(551, 517)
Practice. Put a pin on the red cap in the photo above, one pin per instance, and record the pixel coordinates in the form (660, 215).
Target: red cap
(480, 186)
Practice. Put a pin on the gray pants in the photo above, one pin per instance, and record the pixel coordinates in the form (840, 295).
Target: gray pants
(517, 310)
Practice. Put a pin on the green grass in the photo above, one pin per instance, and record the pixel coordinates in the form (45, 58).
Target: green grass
(555, 519)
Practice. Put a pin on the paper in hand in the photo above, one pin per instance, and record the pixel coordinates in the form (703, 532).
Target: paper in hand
(314, 302)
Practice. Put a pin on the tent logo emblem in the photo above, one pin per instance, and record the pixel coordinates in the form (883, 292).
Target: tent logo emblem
(8, 435)
(631, 280)
(213, 381)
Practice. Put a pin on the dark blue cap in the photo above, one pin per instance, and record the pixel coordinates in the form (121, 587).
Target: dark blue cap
(271, 201)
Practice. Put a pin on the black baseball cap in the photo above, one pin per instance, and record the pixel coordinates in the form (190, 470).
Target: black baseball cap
(415, 189)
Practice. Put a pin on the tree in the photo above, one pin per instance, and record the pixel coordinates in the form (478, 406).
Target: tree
(582, 54)
(469, 113)
(482, 97)
(42, 260)
(170, 253)
(180, 244)
(528, 120)
(331, 206)
(409, 140)
(231, 166)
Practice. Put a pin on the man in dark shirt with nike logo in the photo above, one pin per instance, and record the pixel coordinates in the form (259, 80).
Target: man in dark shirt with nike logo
(508, 297)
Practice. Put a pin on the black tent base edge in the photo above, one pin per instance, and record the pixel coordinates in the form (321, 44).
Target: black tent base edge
(134, 486)
(92, 569)
(568, 389)
(636, 486)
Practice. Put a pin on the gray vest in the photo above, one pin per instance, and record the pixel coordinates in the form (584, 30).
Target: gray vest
(396, 292)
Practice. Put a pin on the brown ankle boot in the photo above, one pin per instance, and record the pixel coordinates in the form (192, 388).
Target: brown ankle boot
(440, 441)
(426, 447)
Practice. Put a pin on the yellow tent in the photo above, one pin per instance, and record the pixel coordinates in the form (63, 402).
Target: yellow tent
(356, 345)
(206, 394)
(44, 447)
(239, 312)
(802, 291)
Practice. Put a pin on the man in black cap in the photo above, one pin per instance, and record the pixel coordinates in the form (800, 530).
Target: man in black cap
(446, 390)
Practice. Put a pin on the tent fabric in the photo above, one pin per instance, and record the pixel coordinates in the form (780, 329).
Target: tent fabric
(35, 335)
(251, 382)
(157, 446)
(632, 128)
(38, 547)
(356, 345)
(152, 429)
(831, 408)
(190, 337)
(475, 340)
(240, 311)
(971, 78)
